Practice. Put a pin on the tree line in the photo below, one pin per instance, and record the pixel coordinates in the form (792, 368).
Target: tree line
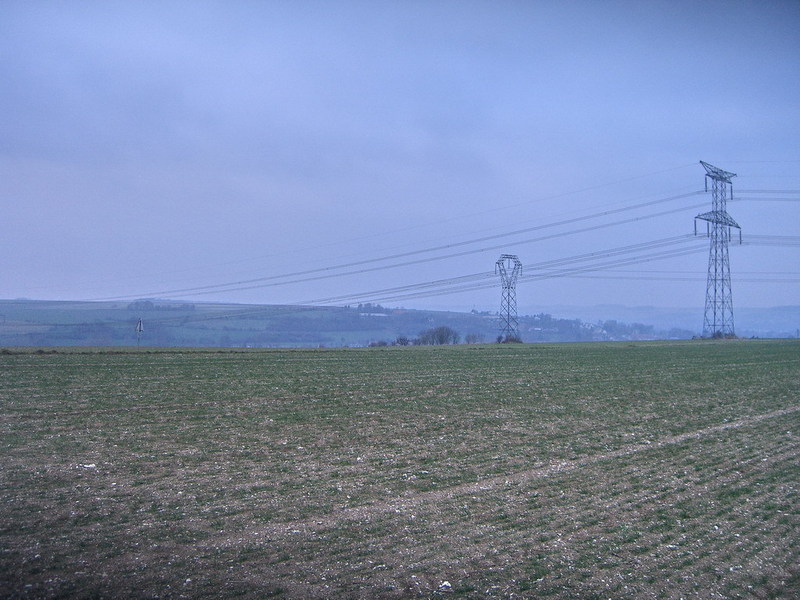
(436, 336)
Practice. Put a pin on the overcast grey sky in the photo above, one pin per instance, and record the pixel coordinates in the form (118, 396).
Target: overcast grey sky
(153, 147)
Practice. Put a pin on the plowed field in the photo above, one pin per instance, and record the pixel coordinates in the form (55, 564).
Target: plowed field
(653, 470)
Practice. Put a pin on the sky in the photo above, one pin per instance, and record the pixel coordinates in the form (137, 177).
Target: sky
(347, 152)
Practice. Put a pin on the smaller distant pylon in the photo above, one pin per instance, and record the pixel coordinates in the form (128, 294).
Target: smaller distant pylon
(509, 267)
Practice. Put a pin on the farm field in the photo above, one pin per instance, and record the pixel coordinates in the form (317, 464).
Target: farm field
(648, 470)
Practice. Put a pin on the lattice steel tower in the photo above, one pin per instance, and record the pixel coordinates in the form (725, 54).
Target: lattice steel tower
(718, 318)
(509, 268)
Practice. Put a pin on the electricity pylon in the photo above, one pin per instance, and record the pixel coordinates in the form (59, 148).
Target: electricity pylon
(718, 317)
(509, 268)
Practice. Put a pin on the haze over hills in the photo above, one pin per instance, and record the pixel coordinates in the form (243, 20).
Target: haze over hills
(170, 323)
(767, 322)
(775, 321)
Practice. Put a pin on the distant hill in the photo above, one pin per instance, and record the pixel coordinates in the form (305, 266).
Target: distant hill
(169, 323)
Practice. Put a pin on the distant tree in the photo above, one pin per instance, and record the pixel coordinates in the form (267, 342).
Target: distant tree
(439, 336)
(402, 341)
(372, 308)
(679, 334)
(474, 338)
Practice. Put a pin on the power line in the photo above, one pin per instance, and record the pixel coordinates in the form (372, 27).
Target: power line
(769, 191)
(302, 276)
(576, 266)
(457, 284)
(697, 277)
(458, 254)
(772, 199)
(579, 266)
(771, 240)
(493, 210)
(473, 282)
(429, 259)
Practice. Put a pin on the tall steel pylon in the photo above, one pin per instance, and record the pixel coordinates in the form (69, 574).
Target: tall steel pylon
(509, 268)
(718, 317)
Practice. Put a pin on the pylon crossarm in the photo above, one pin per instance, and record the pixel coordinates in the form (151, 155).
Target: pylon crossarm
(716, 216)
(717, 173)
